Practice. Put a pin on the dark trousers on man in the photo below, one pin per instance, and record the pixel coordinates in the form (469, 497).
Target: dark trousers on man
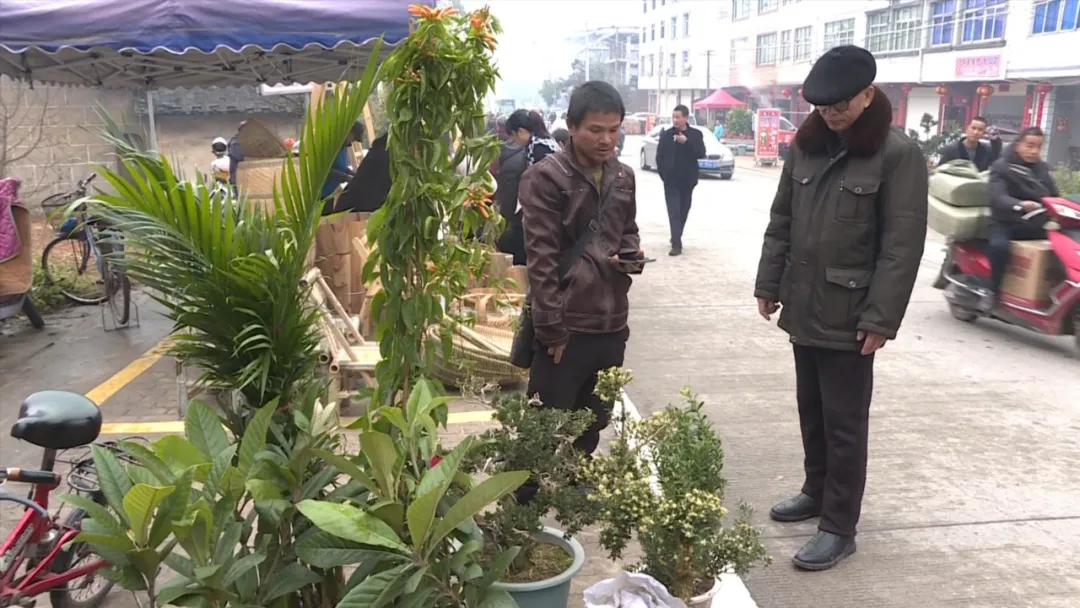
(833, 390)
(678, 196)
(1000, 247)
(569, 384)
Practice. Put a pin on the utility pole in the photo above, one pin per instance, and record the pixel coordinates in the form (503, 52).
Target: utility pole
(708, 71)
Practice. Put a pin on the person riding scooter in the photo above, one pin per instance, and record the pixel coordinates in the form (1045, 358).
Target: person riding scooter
(1019, 181)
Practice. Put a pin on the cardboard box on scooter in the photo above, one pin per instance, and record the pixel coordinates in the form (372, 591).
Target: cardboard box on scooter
(1026, 276)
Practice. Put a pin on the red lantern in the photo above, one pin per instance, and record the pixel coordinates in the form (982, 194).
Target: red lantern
(941, 90)
(985, 90)
(786, 92)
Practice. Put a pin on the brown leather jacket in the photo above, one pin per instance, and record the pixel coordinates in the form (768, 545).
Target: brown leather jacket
(558, 200)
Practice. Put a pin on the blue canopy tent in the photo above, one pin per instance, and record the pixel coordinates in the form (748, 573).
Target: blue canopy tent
(148, 44)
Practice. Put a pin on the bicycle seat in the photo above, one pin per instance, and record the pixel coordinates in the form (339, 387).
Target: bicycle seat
(57, 420)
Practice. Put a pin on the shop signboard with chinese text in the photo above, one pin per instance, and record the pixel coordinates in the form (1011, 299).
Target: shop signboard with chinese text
(979, 67)
(767, 144)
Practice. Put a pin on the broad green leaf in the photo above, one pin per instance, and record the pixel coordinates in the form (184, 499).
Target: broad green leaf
(105, 541)
(324, 550)
(351, 523)
(112, 478)
(98, 513)
(497, 598)
(150, 461)
(128, 577)
(205, 573)
(382, 455)
(394, 416)
(347, 467)
(498, 567)
(175, 588)
(289, 579)
(443, 472)
(370, 592)
(421, 513)
(203, 429)
(222, 464)
(254, 440)
(180, 455)
(139, 505)
(146, 561)
(488, 492)
(241, 567)
(194, 530)
(261, 489)
(140, 474)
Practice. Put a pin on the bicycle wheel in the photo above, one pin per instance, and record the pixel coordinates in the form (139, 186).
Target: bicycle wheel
(81, 592)
(71, 272)
(117, 292)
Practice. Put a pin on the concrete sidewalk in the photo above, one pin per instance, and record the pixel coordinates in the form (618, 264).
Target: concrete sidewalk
(975, 459)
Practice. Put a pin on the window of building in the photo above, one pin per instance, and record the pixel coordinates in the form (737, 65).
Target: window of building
(686, 63)
(942, 22)
(983, 20)
(674, 23)
(803, 42)
(662, 24)
(1055, 16)
(671, 65)
(652, 32)
(766, 49)
(785, 45)
(652, 65)
(894, 30)
(740, 9)
(654, 4)
(765, 6)
(839, 33)
(737, 46)
(686, 25)
(644, 6)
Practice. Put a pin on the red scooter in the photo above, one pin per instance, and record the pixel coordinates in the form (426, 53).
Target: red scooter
(965, 277)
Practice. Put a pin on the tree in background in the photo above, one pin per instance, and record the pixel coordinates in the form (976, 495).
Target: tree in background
(553, 90)
(24, 118)
(739, 122)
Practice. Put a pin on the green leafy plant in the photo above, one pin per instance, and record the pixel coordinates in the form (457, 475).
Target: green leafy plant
(740, 122)
(229, 273)
(413, 530)
(663, 482)
(1067, 180)
(229, 505)
(929, 142)
(427, 233)
(541, 441)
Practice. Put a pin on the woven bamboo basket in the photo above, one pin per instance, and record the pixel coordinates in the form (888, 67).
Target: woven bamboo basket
(255, 179)
(492, 308)
(469, 360)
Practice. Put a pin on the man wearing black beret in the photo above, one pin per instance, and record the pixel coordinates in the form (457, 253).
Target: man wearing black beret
(841, 252)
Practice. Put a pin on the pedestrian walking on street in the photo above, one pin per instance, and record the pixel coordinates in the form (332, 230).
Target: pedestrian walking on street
(677, 152)
(841, 252)
(579, 216)
(528, 143)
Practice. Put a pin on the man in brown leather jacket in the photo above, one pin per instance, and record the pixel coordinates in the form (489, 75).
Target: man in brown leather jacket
(845, 239)
(580, 195)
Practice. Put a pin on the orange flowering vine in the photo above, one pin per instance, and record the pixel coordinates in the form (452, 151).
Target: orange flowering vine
(428, 13)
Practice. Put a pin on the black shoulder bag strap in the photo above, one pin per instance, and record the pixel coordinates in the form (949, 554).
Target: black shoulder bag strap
(583, 241)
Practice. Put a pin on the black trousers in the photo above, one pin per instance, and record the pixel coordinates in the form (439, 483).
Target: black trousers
(569, 384)
(678, 198)
(1000, 249)
(833, 390)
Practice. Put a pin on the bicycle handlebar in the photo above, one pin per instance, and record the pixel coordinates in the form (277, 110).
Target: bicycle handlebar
(30, 476)
(26, 502)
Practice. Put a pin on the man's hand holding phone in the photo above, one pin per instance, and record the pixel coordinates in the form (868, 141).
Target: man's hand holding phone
(680, 138)
(630, 262)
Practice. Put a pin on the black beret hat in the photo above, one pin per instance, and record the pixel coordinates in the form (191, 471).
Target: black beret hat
(839, 75)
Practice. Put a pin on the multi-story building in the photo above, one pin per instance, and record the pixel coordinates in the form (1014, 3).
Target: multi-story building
(680, 60)
(611, 52)
(1007, 60)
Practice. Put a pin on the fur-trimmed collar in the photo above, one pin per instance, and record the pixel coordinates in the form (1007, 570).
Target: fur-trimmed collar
(865, 137)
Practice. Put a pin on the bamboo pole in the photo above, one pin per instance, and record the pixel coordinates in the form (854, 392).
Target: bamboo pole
(336, 306)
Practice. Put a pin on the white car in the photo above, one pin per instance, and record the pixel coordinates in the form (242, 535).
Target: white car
(718, 158)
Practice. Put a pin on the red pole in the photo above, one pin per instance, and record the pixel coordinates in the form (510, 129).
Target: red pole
(1026, 122)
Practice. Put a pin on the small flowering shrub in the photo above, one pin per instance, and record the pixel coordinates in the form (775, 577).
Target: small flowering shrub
(678, 516)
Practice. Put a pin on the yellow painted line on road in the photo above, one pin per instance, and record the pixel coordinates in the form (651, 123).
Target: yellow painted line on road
(102, 392)
(176, 427)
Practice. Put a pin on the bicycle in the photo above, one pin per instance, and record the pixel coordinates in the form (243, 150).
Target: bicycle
(88, 239)
(54, 421)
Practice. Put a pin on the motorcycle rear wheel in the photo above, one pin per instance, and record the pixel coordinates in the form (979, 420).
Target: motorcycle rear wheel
(962, 314)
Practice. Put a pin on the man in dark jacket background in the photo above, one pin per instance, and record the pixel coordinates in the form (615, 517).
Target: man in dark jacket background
(845, 237)
(513, 160)
(677, 152)
(970, 147)
(1018, 182)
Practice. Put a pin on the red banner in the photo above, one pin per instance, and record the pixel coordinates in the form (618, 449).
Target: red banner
(768, 133)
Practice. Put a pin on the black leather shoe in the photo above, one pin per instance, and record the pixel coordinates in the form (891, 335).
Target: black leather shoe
(824, 551)
(675, 251)
(796, 509)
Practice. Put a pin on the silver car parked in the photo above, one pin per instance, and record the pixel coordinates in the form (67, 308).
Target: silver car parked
(718, 158)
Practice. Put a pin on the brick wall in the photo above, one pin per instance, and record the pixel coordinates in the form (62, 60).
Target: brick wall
(48, 135)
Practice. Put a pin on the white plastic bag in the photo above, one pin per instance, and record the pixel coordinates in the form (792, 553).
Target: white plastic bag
(628, 590)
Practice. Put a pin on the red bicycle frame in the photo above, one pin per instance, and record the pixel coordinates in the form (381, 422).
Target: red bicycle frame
(26, 537)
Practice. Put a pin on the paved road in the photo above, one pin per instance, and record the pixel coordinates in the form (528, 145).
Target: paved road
(972, 489)
(972, 494)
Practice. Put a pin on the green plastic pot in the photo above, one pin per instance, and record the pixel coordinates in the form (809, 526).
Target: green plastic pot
(555, 591)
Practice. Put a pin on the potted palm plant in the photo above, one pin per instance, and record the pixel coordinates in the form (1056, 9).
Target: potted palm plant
(663, 482)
